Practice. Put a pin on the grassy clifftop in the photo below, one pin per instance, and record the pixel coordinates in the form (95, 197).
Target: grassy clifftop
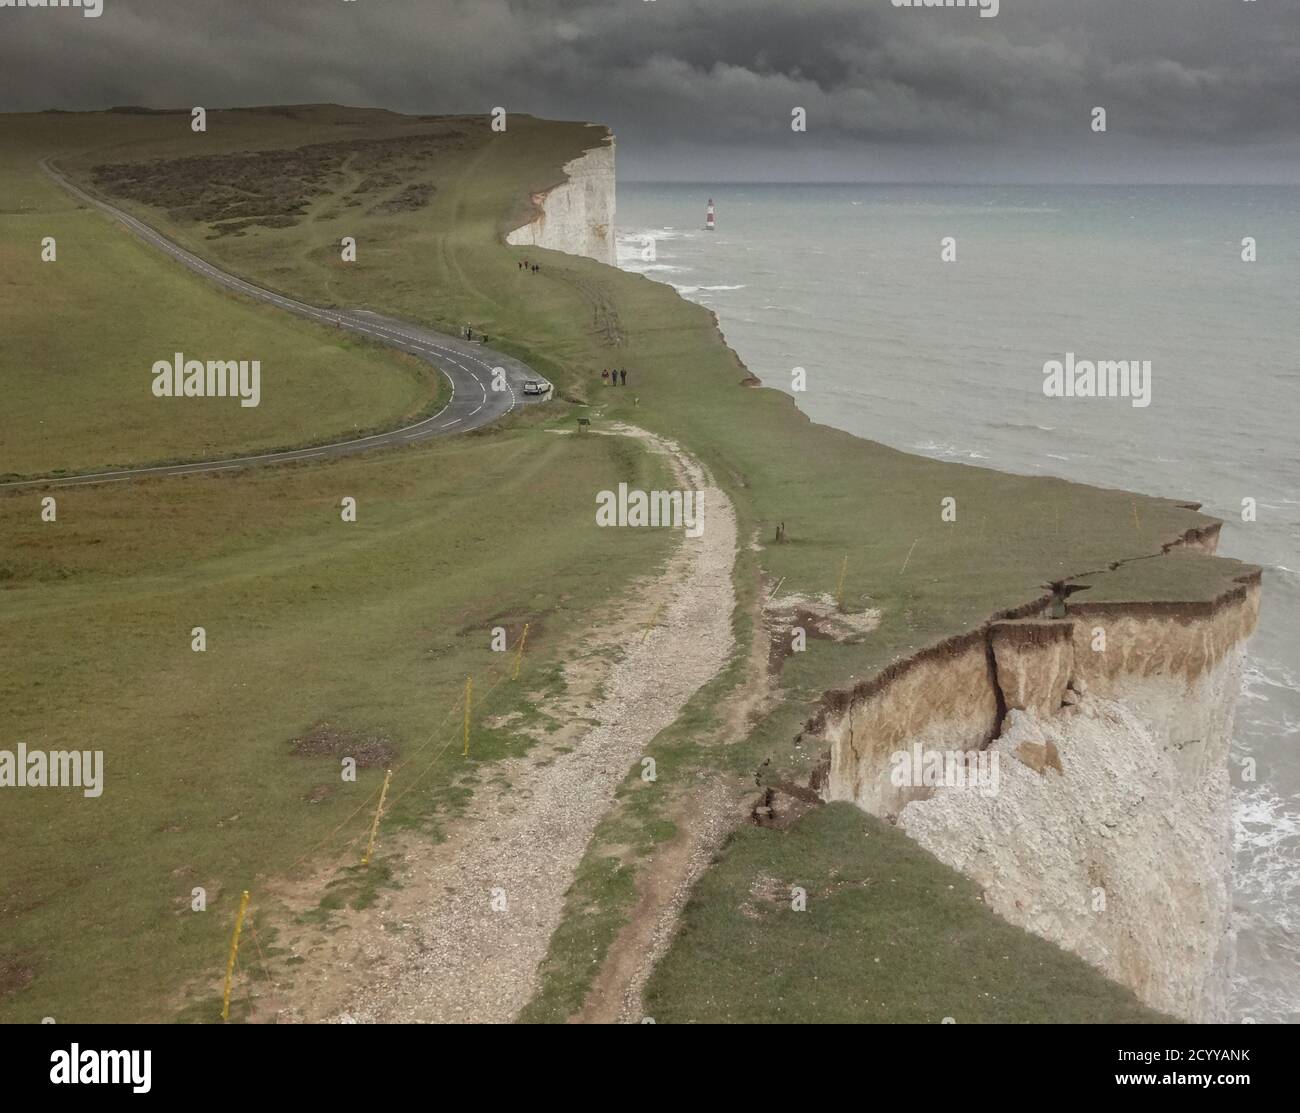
(442, 261)
(79, 334)
(269, 194)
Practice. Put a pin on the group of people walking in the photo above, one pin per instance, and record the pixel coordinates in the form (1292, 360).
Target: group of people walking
(613, 378)
(525, 265)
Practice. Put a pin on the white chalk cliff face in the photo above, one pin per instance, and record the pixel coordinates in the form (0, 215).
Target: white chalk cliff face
(1109, 832)
(577, 215)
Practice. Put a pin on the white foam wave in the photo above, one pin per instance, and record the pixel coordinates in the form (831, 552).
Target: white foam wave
(1259, 674)
(1266, 845)
(948, 451)
(632, 235)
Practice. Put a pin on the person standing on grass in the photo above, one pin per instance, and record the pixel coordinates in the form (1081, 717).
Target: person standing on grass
(623, 375)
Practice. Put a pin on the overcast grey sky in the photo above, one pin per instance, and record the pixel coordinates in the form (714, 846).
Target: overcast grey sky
(1195, 90)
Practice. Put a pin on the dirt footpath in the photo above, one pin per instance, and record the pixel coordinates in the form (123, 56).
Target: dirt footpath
(453, 957)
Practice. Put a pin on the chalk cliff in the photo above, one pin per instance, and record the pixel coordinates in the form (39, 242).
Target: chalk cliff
(576, 215)
(1109, 828)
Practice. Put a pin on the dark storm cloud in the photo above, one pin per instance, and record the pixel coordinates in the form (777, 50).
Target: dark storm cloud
(709, 75)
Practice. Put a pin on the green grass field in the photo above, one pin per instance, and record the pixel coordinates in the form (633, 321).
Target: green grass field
(79, 336)
(839, 495)
(370, 627)
(921, 944)
(374, 625)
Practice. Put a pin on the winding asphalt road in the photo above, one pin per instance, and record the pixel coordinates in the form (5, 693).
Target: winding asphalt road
(469, 368)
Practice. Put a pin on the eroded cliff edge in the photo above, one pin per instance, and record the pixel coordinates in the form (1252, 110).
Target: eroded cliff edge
(576, 215)
(1104, 710)
(1109, 833)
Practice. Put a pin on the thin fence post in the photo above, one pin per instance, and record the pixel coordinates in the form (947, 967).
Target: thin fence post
(519, 657)
(374, 827)
(469, 699)
(234, 950)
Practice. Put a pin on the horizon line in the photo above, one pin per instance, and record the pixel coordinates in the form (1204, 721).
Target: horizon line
(951, 184)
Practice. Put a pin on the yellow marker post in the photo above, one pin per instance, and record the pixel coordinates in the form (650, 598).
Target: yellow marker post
(234, 950)
(374, 827)
(839, 589)
(519, 657)
(469, 699)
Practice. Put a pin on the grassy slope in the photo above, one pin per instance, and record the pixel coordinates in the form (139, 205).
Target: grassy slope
(838, 495)
(370, 627)
(79, 336)
(923, 945)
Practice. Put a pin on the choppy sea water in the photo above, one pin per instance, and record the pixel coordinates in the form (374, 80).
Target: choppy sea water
(946, 360)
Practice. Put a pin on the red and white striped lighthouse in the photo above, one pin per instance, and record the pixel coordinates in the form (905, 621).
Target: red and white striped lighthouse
(708, 217)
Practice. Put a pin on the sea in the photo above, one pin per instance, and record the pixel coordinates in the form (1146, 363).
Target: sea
(946, 359)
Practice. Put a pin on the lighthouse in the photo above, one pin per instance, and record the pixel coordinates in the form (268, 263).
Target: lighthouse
(708, 217)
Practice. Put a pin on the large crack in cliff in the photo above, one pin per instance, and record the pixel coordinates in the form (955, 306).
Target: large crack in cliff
(1144, 723)
(1203, 537)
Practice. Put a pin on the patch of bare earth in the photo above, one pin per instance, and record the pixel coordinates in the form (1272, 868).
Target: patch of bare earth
(16, 973)
(462, 938)
(369, 751)
(818, 616)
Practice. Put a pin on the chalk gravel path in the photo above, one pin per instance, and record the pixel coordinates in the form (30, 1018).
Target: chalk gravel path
(457, 960)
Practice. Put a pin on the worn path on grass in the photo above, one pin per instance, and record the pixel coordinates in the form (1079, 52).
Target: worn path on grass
(704, 814)
(468, 367)
(458, 960)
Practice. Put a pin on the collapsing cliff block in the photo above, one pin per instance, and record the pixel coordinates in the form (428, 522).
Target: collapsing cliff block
(1034, 659)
